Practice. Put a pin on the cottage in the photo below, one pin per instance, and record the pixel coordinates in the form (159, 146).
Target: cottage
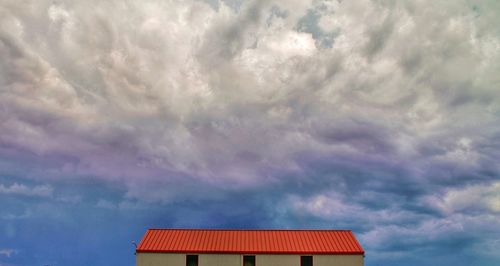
(201, 247)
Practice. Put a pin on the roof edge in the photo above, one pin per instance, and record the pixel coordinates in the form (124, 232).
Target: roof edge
(241, 229)
(249, 252)
(357, 242)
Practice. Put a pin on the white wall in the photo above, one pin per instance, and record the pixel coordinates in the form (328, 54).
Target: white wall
(160, 259)
(218, 260)
(277, 260)
(338, 260)
(177, 259)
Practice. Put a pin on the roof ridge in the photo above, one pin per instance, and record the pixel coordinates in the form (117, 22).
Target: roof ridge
(250, 229)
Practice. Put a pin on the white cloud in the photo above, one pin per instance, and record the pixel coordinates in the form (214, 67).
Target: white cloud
(123, 205)
(24, 215)
(326, 206)
(8, 252)
(20, 189)
(484, 197)
(338, 208)
(393, 230)
(468, 233)
(231, 96)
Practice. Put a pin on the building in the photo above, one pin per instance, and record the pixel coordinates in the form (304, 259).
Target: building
(200, 247)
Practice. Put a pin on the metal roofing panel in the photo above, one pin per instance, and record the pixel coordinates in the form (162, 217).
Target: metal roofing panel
(250, 241)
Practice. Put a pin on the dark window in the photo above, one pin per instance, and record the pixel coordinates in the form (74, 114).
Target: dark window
(191, 260)
(306, 260)
(248, 260)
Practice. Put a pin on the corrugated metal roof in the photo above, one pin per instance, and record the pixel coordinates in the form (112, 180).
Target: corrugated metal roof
(250, 241)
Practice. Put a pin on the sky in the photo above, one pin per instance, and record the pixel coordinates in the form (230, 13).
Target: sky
(379, 116)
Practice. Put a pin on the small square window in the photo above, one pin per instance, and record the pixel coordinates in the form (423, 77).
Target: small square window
(248, 260)
(191, 260)
(306, 261)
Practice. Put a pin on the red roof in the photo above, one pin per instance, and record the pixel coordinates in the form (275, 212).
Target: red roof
(250, 241)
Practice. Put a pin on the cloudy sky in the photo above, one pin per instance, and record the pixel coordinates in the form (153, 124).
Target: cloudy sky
(379, 116)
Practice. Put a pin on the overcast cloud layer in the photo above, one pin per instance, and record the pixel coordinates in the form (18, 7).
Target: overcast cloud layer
(378, 116)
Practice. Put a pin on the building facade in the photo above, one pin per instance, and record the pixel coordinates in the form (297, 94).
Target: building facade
(200, 247)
